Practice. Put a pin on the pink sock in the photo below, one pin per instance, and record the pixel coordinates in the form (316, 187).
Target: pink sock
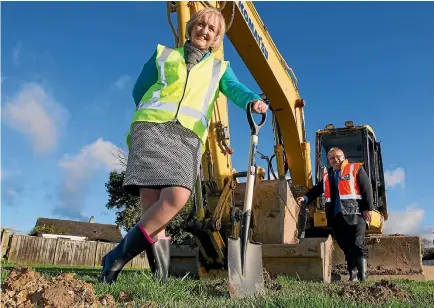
(146, 234)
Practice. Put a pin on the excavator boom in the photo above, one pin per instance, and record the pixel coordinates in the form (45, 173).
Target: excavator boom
(253, 43)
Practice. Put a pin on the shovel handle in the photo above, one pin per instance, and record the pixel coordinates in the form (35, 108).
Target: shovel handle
(251, 174)
(251, 168)
(253, 126)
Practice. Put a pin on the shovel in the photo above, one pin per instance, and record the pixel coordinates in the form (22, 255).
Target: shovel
(244, 256)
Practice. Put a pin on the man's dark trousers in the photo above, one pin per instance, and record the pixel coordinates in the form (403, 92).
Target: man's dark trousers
(350, 238)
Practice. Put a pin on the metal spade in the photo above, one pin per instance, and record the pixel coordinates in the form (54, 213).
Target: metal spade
(244, 256)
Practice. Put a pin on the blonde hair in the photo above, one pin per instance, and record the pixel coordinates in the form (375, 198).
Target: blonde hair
(199, 16)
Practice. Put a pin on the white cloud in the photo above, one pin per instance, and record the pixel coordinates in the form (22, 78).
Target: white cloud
(405, 222)
(122, 82)
(96, 155)
(34, 113)
(395, 177)
(79, 170)
(16, 53)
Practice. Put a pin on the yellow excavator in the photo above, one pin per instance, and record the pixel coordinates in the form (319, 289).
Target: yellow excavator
(295, 240)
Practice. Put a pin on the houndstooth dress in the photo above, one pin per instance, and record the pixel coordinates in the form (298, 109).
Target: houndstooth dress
(162, 155)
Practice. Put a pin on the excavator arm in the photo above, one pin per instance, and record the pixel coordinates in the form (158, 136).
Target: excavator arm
(253, 43)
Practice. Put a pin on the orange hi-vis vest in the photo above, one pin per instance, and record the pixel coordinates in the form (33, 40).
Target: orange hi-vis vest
(348, 188)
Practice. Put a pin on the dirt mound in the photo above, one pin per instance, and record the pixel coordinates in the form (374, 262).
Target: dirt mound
(27, 288)
(381, 291)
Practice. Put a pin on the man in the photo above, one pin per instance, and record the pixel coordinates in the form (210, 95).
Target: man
(347, 191)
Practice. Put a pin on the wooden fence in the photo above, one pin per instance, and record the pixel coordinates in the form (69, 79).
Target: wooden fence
(32, 250)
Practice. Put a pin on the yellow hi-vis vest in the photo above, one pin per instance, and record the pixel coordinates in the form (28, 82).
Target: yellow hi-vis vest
(187, 97)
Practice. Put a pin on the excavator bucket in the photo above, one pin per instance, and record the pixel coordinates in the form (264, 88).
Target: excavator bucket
(389, 257)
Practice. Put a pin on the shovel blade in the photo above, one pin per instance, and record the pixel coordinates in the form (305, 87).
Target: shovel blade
(252, 282)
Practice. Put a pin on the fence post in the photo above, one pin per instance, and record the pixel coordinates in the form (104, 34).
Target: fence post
(95, 254)
(55, 251)
(11, 248)
(4, 241)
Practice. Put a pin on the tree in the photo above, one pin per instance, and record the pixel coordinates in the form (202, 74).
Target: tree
(50, 230)
(426, 246)
(128, 206)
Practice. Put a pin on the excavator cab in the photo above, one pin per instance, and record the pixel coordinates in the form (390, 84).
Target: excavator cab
(359, 144)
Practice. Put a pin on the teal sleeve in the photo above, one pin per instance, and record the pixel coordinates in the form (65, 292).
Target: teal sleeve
(148, 76)
(235, 91)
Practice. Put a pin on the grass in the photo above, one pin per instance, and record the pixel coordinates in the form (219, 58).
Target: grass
(189, 293)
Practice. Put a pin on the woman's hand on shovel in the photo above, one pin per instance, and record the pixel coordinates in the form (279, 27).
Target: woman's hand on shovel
(259, 106)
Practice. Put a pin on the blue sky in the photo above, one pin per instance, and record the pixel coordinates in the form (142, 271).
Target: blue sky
(68, 69)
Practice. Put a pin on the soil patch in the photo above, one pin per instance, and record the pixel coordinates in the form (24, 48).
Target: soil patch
(381, 291)
(215, 287)
(27, 288)
(341, 269)
(220, 287)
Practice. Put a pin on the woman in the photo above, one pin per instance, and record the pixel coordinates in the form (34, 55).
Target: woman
(175, 96)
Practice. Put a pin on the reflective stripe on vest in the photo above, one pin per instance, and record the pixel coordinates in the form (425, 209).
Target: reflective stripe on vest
(172, 108)
(326, 187)
(156, 94)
